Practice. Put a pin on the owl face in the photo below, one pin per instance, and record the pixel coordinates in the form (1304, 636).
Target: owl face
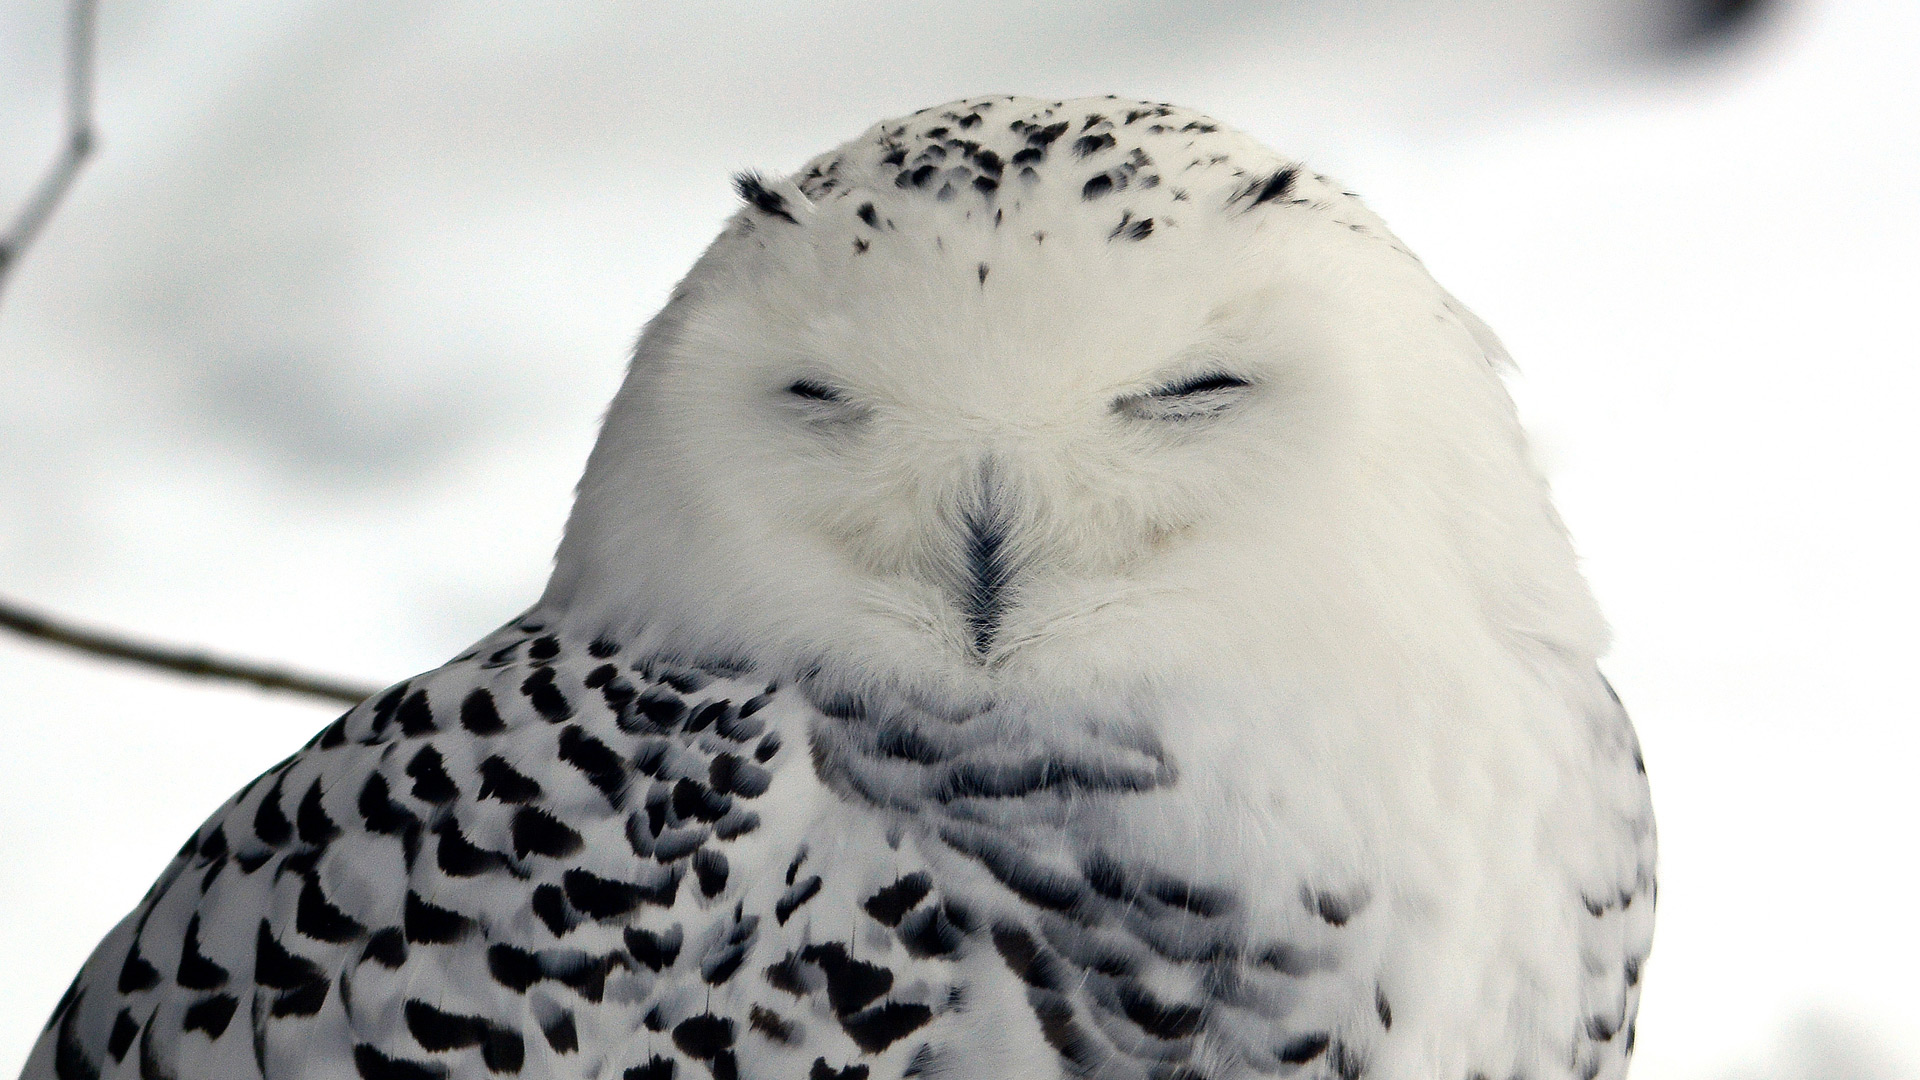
(1146, 386)
(1021, 443)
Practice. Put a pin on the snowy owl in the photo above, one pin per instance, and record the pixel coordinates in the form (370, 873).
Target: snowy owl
(1061, 593)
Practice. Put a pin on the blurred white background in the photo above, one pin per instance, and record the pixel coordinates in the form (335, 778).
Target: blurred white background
(307, 365)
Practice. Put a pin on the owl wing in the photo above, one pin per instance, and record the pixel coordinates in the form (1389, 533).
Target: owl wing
(542, 858)
(1616, 930)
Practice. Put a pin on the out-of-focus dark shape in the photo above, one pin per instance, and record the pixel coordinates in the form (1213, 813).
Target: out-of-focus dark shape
(179, 661)
(46, 195)
(1712, 24)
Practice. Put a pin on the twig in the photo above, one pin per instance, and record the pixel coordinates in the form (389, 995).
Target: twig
(52, 187)
(20, 235)
(182, 661)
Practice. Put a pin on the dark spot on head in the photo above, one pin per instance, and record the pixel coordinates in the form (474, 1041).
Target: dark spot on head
(758, 196)
(1273, 187)
(1046, 135)
(1091, 144)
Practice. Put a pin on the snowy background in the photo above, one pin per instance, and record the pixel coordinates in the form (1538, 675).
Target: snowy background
(307, 365)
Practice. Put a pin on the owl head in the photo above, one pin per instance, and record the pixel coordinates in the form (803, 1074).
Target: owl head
(1065, 396)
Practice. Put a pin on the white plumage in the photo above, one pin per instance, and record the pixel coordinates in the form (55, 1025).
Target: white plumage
(1061, 593)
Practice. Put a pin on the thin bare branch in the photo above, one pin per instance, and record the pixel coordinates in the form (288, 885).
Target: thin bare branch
(20, 235)
(41, 627)
(75, 147)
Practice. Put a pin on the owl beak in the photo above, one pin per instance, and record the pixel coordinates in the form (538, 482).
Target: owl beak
(986, 565)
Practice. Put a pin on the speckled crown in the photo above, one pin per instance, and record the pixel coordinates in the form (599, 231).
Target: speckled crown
(992, 157)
